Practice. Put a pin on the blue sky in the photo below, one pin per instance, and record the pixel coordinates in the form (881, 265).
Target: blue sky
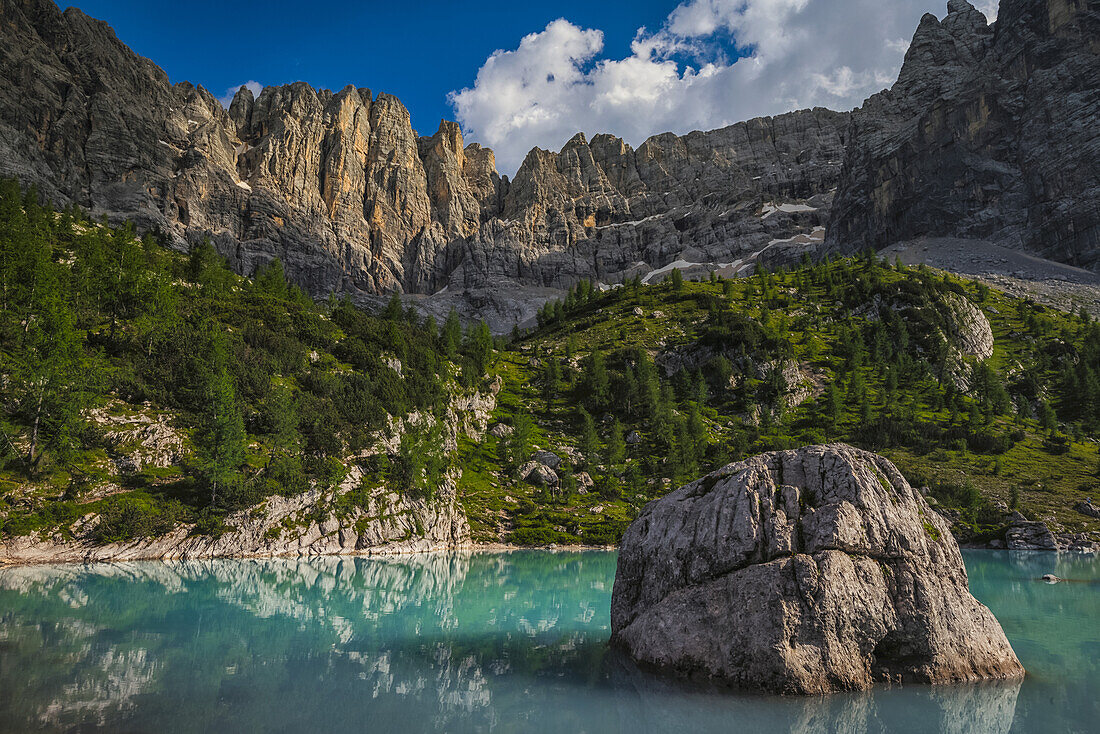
(418, 51)
(521, 74)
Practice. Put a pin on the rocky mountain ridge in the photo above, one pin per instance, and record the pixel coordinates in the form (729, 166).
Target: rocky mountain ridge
(343, 189)
(989, 133)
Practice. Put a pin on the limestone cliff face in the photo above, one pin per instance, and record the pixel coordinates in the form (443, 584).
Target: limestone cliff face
(990, 132)
(343, 190)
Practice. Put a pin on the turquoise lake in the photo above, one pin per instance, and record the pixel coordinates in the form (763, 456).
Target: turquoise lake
(495, 642)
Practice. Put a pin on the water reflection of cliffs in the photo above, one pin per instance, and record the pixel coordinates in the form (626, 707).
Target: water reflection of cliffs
(452, 642)
(431, 630)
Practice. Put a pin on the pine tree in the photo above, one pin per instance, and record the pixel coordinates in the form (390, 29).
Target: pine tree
(221, 439)
(635, 481)
(159, 317)
(595, 384)
(698, 439)
(49, 374)
(452, 335)
(831, 405)
(271, 279)
(676, 279)
(395, 310)
(517, 446)
(1048, 421)
(207, 268)
(551, 376)
(590, 442)
(481, 346)
(282, 419)
(720, 371)
(699, 390)
(616, 445)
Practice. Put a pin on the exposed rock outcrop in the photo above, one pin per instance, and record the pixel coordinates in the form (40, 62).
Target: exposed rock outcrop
(534, 472)
(547, 458)
(1086, 508)
(968, 327)
(1024, 534)
(304, 525)
(989, 133)
(803, 571)
(351, 518)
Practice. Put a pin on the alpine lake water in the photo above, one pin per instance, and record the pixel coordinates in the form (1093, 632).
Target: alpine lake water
(495, 642)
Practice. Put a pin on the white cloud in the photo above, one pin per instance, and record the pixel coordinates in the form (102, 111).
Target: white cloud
(989, 7)
(802, 53)
(227, 99)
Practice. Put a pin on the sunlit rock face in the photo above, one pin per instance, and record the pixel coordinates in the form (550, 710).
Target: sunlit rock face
(989, 133)
(805, 571)
(343, 189)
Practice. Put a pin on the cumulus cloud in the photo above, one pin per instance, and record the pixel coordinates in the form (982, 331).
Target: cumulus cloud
(227, 99)
(989, 7)
(787, 54)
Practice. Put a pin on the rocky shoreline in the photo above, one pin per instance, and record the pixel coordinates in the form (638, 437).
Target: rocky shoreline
(69, 553)
(1029, 536)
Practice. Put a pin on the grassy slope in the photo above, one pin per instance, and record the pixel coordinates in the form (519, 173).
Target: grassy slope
(283, 339)
(1042, 483)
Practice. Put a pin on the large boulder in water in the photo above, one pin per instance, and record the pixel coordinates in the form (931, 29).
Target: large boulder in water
(805, 571)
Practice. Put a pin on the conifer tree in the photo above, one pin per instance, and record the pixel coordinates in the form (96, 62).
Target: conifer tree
(159, 317)
(282, 419)
(452, 335)
(480, 346)
(676, 279)
(221, 439)
(395, 311)
(271, 280)
(616, 445)
(48, 373)
(697, 434)
(551, 376)
(595, 384)
(517, 446)
(831, 405)
(590, 442)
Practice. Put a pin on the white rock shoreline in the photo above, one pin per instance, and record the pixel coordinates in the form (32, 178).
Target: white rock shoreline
(412, 548)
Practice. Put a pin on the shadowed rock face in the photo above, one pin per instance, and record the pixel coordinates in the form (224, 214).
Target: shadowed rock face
(803, 571)
(989, 133)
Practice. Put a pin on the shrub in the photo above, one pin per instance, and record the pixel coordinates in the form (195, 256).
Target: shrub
(133, 516)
